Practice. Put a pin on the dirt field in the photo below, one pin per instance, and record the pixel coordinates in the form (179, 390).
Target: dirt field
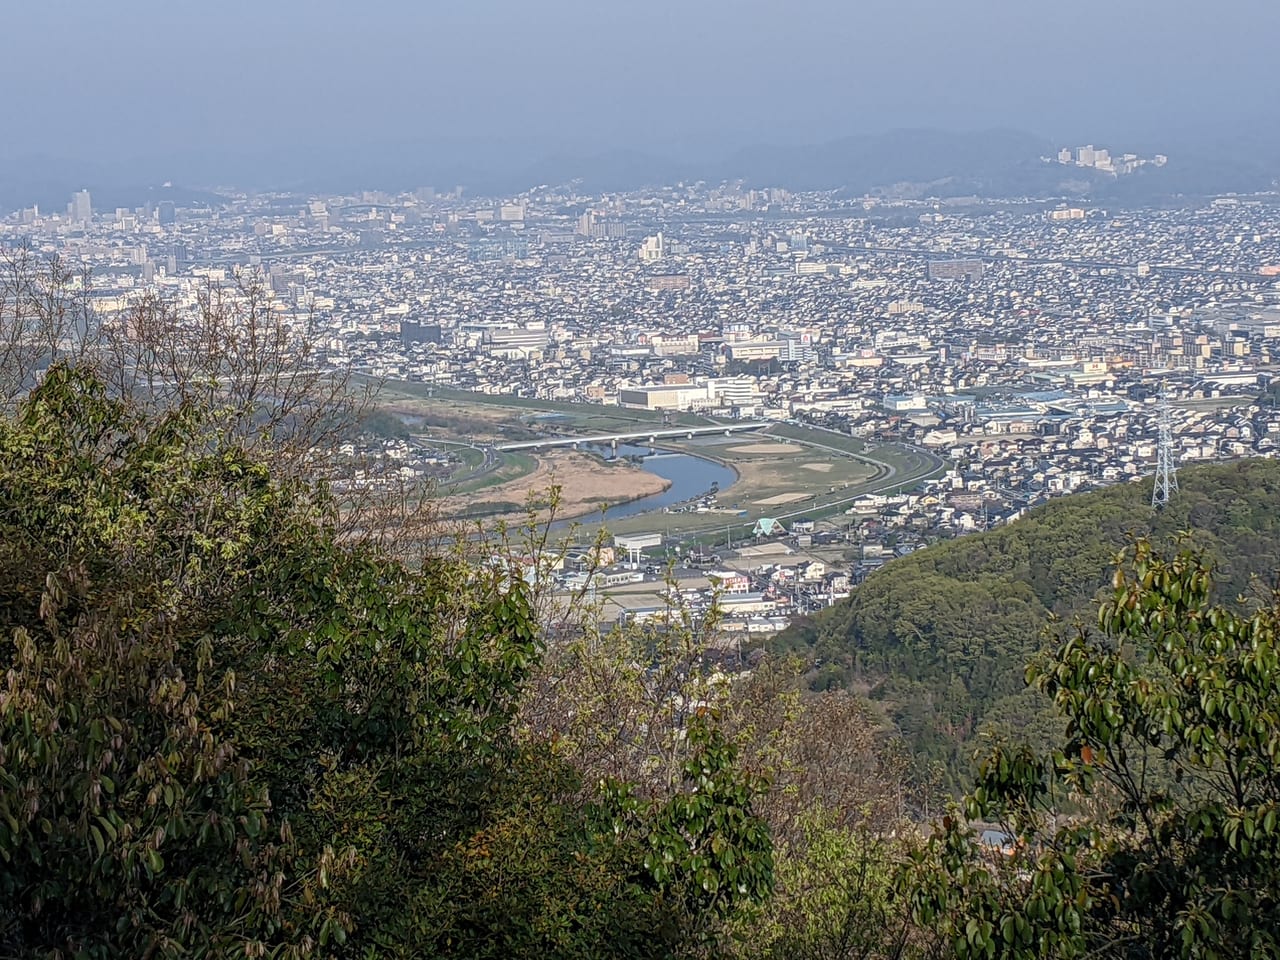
(782, 498)
(761, 479)
(584, 482)
(765, 550)
(817, 467)
(767, 449)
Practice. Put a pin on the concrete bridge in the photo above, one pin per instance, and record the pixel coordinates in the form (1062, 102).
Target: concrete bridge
(649, 436)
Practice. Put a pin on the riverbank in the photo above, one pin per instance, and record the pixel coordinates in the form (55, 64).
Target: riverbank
(690, 476)
(585, 483)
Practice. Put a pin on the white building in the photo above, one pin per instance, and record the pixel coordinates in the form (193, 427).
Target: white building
(665, 396)
(653, 249)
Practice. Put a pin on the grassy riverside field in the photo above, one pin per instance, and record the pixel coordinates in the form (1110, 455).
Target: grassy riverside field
(784, 470)
(787, 471)
(511, 467)
(502, 409)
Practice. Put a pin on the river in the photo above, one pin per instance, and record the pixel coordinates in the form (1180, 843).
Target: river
(690, 477)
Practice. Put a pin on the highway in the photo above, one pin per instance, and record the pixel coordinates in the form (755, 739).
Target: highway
(486, 466)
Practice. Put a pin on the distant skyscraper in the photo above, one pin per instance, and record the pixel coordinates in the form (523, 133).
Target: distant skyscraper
(167, 213)
(81, 207)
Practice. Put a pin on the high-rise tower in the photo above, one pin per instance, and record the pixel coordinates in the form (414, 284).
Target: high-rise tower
(81, 207)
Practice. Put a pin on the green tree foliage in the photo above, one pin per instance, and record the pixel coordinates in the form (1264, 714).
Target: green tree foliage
(838, 816)
(1168, 771)
(381, 425)
(704, 849)
(941, 636)
(227, 729)
(835, 899)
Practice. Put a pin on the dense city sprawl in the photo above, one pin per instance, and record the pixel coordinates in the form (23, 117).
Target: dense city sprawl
(1022, 346)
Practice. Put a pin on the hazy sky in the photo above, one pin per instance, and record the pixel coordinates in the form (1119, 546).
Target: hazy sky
(296, 78)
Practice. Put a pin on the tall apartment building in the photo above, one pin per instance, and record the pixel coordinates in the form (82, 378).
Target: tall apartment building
(80, 209)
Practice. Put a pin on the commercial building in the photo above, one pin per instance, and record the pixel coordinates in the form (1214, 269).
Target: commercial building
(664, 397)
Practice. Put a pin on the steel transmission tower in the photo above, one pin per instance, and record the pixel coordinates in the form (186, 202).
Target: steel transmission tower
(1166, 483)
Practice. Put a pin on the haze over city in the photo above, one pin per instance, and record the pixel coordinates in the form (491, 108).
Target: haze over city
(290, 92)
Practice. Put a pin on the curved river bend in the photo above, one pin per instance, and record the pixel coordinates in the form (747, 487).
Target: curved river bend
(690, 477)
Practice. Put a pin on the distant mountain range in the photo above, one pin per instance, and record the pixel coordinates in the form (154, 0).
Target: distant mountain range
(857, 164)
(908, 163)
(49, 183)
(930, 163)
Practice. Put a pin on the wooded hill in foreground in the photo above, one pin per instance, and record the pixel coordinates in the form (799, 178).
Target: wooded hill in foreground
(229, 730)
(942, 638)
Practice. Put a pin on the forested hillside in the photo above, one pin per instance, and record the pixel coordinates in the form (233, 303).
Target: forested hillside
(942, 638)
(228, 728)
